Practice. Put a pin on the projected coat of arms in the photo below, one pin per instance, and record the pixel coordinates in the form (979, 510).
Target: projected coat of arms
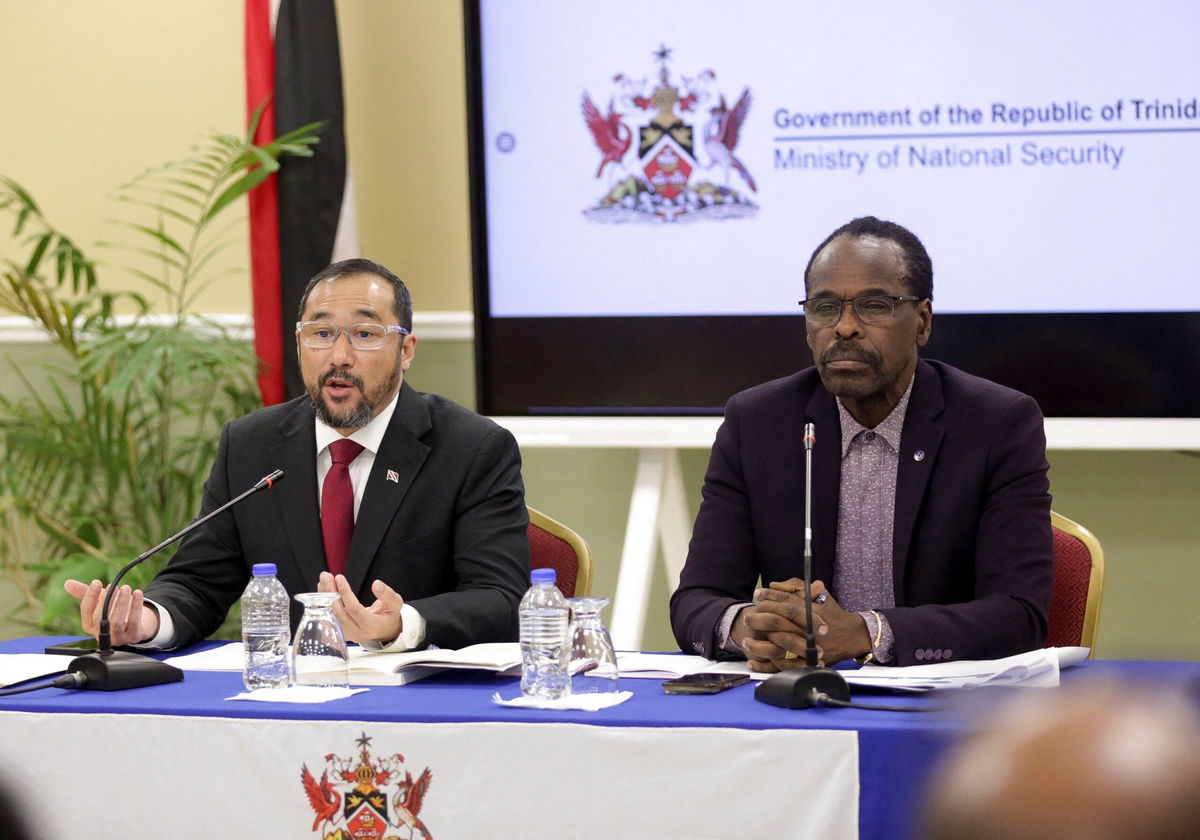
(351, 803)
(664, 172)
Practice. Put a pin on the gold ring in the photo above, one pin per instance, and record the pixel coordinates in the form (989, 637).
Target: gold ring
(787, 654)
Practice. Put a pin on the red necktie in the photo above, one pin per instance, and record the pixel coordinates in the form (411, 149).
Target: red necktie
(337, 505)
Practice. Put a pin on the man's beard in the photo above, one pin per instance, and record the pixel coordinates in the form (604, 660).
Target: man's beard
(358, 415)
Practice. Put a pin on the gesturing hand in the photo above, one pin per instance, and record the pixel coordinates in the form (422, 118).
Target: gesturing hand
(379, 622)
(130, 619)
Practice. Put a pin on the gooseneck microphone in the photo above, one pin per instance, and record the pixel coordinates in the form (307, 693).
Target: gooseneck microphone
(812, 685)
(113, 670)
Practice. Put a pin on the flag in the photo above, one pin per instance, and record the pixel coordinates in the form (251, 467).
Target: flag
(303, 218)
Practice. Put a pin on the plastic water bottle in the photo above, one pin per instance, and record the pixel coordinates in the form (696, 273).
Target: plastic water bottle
(545, 650)
(265, 630)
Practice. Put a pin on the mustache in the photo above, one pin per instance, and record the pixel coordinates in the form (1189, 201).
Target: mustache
(341, 377)
(850, 353)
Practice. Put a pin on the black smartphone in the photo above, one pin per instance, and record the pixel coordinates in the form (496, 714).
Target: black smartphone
(74, 648)
(704, 683)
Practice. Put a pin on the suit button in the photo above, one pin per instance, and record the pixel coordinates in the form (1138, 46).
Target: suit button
(937, 654)
(920, 655)
(928, 654)
(949, 653)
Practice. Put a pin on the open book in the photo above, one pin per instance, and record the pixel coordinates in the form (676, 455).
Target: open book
(382, 668)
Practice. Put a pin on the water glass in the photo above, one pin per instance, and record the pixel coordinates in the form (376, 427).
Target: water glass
(593, 660)
(319, 655)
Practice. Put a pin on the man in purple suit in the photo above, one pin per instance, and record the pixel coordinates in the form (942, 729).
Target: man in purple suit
(931, 507)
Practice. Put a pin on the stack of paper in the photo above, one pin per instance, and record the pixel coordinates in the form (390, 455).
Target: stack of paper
(1037, 668)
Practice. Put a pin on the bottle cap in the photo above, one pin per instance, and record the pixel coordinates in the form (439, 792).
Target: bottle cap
(543, 576)
(261, 569)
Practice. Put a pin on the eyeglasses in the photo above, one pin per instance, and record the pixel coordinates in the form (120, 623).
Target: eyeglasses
(869, 308)
(321, 336)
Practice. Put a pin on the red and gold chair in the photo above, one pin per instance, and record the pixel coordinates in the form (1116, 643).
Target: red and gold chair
(552, 545)
(1078, 585)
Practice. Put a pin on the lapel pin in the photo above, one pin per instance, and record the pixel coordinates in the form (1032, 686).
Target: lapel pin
(393, 476)
(919, 455)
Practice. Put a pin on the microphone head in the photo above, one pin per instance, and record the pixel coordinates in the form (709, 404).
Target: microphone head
(810, 435)
(269, 480)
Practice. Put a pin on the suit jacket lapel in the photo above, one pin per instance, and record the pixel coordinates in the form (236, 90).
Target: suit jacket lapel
(296, 454)
(822, 412)
(403, 452)
(919, 445)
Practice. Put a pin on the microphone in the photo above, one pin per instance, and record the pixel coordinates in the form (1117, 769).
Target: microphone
(113, 670)
(812, 685)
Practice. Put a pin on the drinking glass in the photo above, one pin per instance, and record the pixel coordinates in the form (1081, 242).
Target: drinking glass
(319, 654)
(593, 660)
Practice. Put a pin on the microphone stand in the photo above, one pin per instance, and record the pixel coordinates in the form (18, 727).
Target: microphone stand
(113, 670)
(802, 688)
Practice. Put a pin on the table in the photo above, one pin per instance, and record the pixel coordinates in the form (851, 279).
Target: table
(182, 760)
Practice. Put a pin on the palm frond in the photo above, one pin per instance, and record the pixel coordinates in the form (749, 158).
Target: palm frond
(109, 450)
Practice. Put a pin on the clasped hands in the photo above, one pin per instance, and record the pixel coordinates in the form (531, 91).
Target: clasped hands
(774, 627)
(131, 621)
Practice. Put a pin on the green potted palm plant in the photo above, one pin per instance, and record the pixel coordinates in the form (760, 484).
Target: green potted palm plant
(106, 448)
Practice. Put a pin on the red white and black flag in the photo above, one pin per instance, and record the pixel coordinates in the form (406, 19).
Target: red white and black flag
(302, 218)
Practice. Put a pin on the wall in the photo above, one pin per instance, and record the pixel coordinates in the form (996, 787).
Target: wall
(95, 91)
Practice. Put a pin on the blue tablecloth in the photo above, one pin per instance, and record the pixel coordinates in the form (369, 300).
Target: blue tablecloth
(896, 750)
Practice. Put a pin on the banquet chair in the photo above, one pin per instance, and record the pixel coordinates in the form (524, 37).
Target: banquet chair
(552, 545)
(1078, 585)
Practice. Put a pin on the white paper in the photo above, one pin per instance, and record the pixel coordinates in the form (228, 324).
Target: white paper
(580, 702)
(1035, 669)
(366, 667)
(19, 667)
(299, 694)
(226, 657)
(660, 666)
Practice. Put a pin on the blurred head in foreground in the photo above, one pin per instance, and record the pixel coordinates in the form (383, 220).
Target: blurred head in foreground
(13, 825)
(1101, 762)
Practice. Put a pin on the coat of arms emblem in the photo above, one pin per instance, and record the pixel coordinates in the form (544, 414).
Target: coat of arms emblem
(351, 798)
(665, 178)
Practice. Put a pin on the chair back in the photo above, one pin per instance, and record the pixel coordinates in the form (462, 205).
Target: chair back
(1078, 585)
(552, 545)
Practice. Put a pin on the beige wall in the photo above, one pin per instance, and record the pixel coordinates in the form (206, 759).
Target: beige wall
(406, 116)
(95, 91)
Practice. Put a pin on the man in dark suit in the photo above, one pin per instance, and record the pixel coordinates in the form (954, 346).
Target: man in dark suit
(431, 493)
(931, 529)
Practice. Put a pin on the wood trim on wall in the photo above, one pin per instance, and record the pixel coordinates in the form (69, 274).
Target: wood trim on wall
(428, 326)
